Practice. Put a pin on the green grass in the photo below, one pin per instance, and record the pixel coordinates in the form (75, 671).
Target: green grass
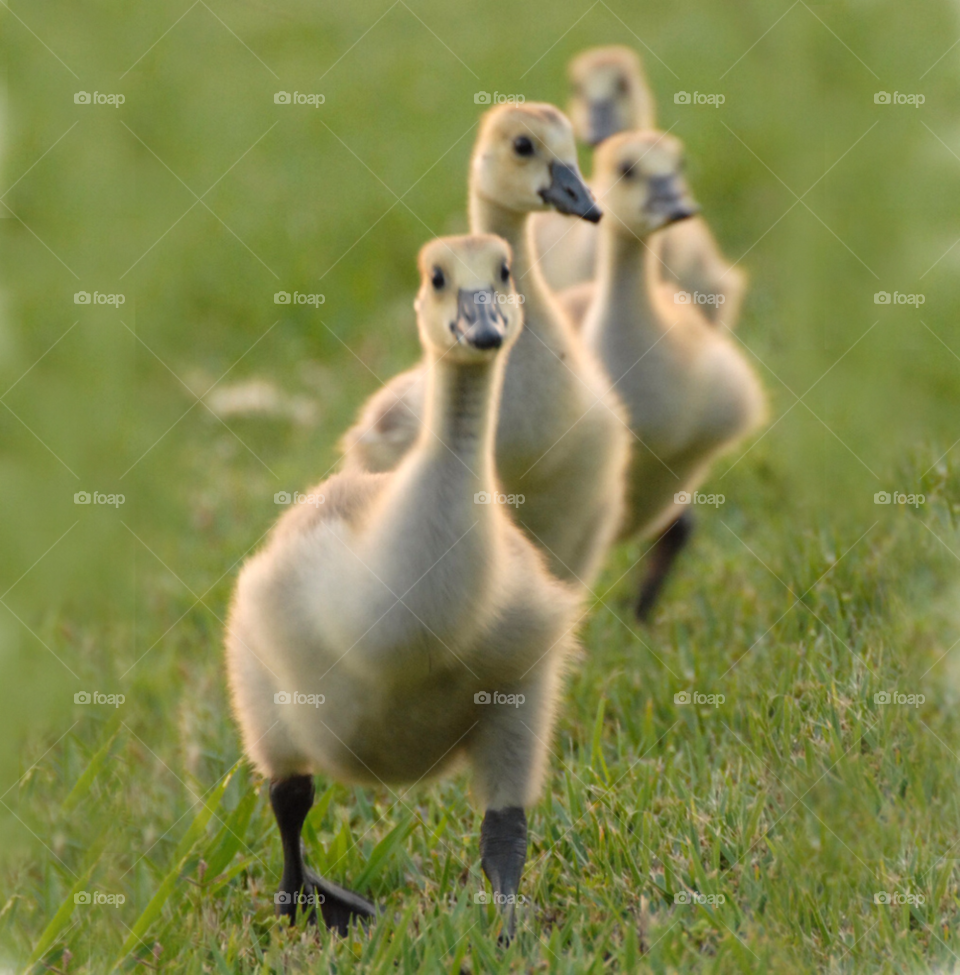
(797, 799)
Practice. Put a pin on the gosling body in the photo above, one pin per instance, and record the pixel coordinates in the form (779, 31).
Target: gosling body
(401, 602)
(689, 391)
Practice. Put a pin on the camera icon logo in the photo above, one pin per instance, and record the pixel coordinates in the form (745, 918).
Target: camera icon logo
(481, 897)
(881, 497)
(281, 298)
(482, 497)
(82, 497)
(682, 497)
(681, 697)
(81, 697)
(881, 298)
(281, 98)
(282, 497)
(882, 697)
(681, 897)
(81, 897)
(81, 98)
(881, 98)
(282, 897)
(881, 898)
(282, 697)
(681, 98)
(81, 298)
(681, 298)
(482, 98)
(481, 697)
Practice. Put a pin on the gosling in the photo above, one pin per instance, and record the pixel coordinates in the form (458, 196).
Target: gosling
(690, 392)
(398, 600)
(609, 94)
(562, 441)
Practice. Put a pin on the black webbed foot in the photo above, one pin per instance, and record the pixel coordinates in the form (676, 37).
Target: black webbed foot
(503, 852)
(300, 888)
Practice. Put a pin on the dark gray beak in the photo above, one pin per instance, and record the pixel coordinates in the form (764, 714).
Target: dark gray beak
(568, 193)
(669, 198)
(602, 120)
(479, 320)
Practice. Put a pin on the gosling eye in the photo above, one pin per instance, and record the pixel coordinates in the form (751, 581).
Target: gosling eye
(622, 85)
(437, 279)
(504, 272)
(523, 146)
(627, 170)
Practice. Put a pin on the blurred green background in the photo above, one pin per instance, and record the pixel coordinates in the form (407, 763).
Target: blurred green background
(336, 200)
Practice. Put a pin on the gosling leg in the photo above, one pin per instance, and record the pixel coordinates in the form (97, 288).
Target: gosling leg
(503, 852)
(665, 551)
(291, 800)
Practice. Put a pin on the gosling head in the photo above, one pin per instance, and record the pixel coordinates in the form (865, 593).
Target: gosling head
(467, 308)
(526, 159)
(639, 178)
(609, 93)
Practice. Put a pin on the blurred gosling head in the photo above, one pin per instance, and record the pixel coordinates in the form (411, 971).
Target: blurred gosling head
(467, 308)
(640, 182)
(525, 159)
(609, 93)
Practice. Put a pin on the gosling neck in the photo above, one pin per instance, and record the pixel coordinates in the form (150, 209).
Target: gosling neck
(460, 421)
(626, 275)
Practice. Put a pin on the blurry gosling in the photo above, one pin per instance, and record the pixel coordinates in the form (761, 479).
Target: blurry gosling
(689, 390)
(610, 94)
(562, 440)
(400, 600)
